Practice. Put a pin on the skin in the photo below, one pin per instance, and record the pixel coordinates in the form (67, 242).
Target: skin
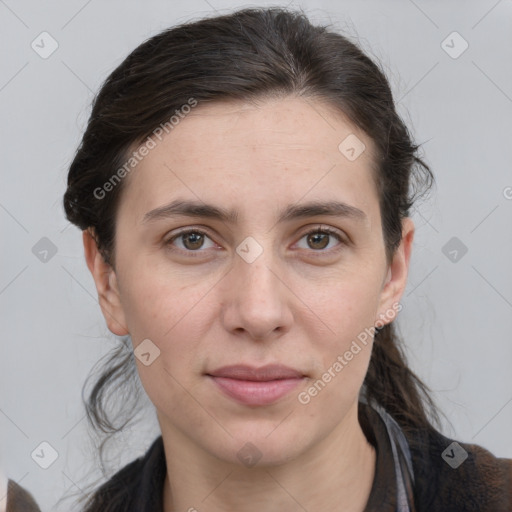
(299, 303)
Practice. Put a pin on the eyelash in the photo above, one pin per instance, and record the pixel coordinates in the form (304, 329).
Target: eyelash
(321, 230)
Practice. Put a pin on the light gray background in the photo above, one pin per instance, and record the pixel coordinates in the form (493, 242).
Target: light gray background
(457, 316)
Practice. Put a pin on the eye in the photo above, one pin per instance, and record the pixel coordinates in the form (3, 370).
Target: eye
(190, 240)
(320, 239)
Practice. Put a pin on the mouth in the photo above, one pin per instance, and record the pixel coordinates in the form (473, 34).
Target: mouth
(256, 386)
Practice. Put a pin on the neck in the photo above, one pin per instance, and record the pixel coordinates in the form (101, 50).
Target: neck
(339, 470)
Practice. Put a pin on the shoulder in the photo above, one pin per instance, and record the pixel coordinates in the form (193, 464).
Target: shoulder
(137, 486)
(451, 475)
(19, 499)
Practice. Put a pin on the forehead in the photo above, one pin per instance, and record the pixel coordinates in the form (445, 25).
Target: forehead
(290, 146)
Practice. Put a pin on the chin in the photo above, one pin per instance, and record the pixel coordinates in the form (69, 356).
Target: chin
(262, 445)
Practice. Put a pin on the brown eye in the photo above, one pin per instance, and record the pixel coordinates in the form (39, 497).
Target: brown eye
(320, 240)
(190, 241)
(193, 240)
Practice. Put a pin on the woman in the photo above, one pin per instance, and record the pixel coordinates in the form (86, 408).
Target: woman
(244, 187)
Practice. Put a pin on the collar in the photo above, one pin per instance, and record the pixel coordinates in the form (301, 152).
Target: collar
(393, 484)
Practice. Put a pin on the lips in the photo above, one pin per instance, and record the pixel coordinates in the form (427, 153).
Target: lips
(256, 386)
(265, 373)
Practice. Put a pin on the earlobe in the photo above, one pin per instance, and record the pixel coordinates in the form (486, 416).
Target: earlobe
(105, 280)
(396, 279)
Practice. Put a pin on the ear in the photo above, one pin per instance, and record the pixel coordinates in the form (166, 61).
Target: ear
(106, 284)
(396, 279)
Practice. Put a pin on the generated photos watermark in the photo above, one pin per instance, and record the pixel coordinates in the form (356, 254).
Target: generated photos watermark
(304, 397)
(143, 150)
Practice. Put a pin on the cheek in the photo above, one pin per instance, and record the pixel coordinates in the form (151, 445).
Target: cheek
(174, 318)
(157, 302)
(346, 309)
(344, 348)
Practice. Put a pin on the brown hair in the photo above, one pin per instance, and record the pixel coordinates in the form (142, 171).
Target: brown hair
(247, 55)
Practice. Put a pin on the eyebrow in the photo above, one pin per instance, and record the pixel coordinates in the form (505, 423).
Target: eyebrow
(291, 212)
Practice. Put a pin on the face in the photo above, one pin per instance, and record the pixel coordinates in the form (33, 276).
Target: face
(291, 275)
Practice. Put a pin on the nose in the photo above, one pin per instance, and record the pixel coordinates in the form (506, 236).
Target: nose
(257, 299)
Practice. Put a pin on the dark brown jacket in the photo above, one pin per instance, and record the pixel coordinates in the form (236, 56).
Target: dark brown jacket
(19, 500)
